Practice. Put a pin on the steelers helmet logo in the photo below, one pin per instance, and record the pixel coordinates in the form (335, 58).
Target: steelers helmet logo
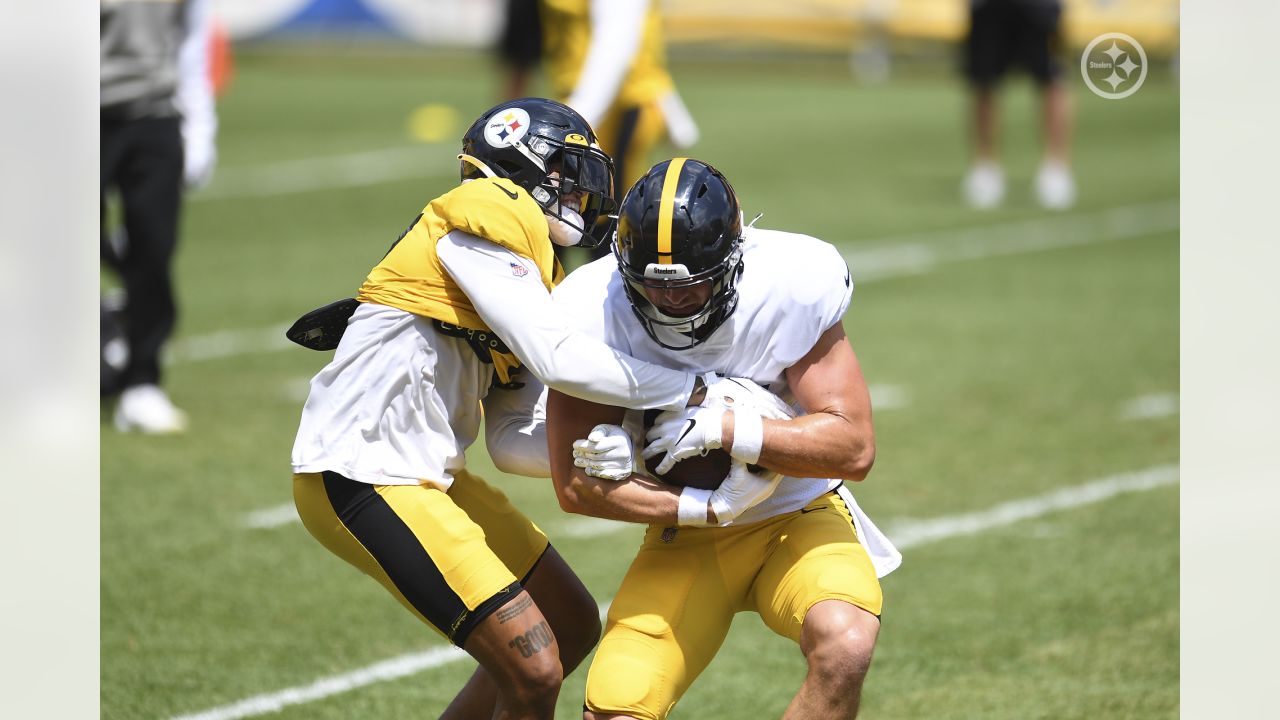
(506, 127)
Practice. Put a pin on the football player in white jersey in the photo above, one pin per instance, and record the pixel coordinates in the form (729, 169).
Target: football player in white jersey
(689, 287)
(455, 308)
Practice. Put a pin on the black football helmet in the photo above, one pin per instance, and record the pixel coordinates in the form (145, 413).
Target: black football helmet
(680, 227)
(531, 139)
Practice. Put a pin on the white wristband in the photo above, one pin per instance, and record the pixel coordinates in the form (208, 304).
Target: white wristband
(748, 436)
(693, 507)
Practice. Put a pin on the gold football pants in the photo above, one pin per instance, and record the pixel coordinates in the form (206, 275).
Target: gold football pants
(680, 595)
(450, 558)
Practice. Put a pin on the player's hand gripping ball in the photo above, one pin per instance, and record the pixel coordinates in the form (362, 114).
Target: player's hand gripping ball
(606, 453)
(684, 446)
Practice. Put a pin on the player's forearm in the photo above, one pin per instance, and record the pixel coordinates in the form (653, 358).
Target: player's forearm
(636, 499)
(515, 429)
(817, 445)
(521, 312)
(518, 448)
(581, 366)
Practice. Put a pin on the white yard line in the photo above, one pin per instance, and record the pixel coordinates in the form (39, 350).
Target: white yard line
(911, 533)
(228, 343)
(888, 397)
(1150, 407)
(905, 255)
(391, 669)
(272, 517)
(874, 260)
(396, 667)
(905, 534)
(332, 172)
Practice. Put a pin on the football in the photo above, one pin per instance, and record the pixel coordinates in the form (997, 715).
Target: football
(705, 472)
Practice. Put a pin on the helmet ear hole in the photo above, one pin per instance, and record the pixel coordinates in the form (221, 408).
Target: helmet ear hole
(702, 190)
(508, 168)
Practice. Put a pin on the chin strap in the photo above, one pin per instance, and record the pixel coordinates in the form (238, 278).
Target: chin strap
(478, 164)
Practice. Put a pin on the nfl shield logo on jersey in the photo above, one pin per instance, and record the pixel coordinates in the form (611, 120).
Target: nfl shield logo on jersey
(668, 534)
(519, 270)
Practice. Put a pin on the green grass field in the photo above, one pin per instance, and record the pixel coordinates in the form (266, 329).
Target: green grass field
(1006, 355)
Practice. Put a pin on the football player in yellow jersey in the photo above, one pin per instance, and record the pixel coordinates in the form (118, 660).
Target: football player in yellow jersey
(442, 325)
(607, 60)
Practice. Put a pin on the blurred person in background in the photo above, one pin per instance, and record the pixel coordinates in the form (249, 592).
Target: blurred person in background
(432, 344)
(158, 130)
(1026, 33)
(607, 60)
(520, 46)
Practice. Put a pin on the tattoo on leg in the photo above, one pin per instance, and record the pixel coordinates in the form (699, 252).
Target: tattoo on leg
(514, 609)
(536, 640)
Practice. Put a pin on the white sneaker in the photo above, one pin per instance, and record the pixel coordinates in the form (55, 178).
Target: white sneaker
(147, 409)
(1055, 186)
(984, 185)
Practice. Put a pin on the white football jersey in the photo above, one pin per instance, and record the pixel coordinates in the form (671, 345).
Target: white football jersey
(793, 288)
(375, 413)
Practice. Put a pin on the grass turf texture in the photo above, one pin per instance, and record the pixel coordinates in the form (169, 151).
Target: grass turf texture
(1016, 367)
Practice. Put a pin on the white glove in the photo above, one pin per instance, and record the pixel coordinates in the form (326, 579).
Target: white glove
(606, 453)
(736, 392)
(682, 434)
(740, 491)
(200, 153)
(750, 401)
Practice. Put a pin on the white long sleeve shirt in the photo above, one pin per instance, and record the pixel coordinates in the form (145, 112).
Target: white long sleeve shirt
(401, 401)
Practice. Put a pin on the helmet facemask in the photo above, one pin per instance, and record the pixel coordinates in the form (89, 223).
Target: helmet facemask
(684, 329)
(577, 191)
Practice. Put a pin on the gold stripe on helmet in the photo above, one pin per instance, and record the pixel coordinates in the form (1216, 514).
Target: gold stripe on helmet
(667, 209)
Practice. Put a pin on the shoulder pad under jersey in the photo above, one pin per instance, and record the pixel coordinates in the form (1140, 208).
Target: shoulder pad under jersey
(497, 210)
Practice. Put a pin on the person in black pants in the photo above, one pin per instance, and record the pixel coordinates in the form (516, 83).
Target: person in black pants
(157, 127)
(1025, 33)
(519, 48)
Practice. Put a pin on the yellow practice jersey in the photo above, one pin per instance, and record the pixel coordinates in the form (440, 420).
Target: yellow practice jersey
(566, 28)
(412, 278)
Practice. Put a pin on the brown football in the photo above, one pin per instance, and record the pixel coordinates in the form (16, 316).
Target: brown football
(700, 471)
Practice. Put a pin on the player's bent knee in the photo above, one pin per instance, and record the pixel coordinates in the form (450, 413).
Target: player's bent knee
(538, 680)
(839, 641)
